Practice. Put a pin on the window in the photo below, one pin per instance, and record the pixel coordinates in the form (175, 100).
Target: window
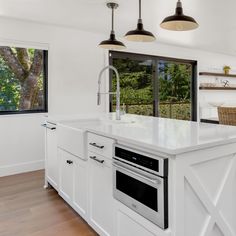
(23, 80)
(155, 86)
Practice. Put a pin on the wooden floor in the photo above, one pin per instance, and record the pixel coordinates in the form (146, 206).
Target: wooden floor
(27, 209)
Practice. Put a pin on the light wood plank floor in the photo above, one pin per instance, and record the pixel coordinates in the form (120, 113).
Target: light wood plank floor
(26, 209)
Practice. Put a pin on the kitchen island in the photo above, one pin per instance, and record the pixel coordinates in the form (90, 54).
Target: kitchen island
(201, 172)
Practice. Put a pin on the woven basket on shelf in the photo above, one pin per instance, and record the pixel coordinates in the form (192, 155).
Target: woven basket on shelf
(227, 115)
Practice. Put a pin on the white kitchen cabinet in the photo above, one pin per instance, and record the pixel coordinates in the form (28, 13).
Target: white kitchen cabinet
(72, 140)
(66, 173)
(100, 194)
(80, 189)
(127, 226)
(51, 157)
(73, 181)
(199, 201)
(100, 145)
(129, 223)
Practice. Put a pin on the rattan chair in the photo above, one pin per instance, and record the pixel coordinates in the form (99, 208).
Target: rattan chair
(227, 115)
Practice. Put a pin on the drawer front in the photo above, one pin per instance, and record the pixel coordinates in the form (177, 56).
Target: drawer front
(99, 160)
(72, 141)
(100, 145)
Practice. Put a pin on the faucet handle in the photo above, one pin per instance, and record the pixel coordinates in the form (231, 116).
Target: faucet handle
(107, 93)
(123, 111)
(98, 98)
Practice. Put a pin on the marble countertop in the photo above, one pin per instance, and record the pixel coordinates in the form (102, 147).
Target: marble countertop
(163, 135)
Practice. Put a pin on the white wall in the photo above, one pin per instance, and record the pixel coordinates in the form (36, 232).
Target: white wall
(74, 64)
(21, 144)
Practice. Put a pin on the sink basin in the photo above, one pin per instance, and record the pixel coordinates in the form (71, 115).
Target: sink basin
(79, 122)
(72, 133)
(72, 139)
(83, 123)
(119, 122)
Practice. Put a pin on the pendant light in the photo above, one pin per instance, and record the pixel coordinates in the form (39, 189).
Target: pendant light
(179, 21)
(140, 34)
(112, 42)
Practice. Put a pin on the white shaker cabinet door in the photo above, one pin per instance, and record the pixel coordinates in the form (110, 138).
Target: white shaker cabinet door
(52, 174)
(80, 194)
(66, 174)
(100, 194)
(73, 181)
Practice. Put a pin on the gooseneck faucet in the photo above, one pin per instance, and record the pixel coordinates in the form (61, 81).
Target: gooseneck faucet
(117, 89)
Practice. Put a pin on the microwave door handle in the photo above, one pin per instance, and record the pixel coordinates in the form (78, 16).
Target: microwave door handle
(136, 174)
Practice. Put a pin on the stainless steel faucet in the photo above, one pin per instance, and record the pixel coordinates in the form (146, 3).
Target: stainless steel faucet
(117, 89)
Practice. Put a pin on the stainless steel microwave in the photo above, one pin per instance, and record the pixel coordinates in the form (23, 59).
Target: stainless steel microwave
(140, 181)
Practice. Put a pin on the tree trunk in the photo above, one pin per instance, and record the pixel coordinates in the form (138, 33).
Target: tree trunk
(27, 92)
(31, 82)
(25, 71)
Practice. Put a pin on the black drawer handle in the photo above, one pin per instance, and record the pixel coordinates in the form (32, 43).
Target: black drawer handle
(95, 145)
(69, 162)
(48, 127)
(95, 159)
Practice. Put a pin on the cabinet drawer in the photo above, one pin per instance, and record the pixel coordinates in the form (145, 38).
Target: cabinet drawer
(99, 160)
(100, 145)
(127, 226)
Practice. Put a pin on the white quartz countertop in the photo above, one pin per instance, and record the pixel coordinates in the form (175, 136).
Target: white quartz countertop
(163, 135)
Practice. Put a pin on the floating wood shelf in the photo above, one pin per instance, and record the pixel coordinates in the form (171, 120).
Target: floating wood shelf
(217, 88)
(217, 74)
(211, 121)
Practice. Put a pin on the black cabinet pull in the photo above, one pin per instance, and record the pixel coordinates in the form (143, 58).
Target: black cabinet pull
(69, 162)
(95, 145)
(48, 127)
(95, 159)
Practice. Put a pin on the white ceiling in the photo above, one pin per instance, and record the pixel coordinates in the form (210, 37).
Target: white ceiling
(217, 18)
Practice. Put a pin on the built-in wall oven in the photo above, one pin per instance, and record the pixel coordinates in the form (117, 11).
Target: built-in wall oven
(140, 181)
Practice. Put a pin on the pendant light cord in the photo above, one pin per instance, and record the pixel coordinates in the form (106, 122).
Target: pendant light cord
(179, 9)
(112, 20)
(140, 10)
(140, 16)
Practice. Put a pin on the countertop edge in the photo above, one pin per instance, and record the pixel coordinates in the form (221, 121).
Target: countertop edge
(169, 152)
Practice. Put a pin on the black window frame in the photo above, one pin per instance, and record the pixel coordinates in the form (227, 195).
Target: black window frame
(137, 56)
(45, 91)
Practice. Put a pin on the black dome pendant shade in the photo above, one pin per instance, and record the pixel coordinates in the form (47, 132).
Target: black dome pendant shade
(179, 21)
(140, 34)
(112, 42)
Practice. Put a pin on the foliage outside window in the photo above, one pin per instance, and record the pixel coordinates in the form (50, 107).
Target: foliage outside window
(23, 80)
(136, 85)
(175, 90)
(155, 86)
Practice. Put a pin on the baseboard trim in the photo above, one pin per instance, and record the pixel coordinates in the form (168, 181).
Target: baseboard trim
(21, 168)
